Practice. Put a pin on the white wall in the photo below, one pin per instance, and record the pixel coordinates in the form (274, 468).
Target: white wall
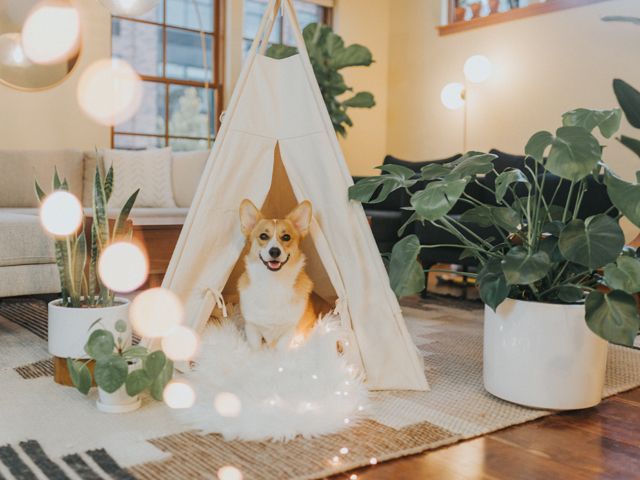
(52, 118)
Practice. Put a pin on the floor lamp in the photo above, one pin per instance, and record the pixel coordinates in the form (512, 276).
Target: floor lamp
(477, 69)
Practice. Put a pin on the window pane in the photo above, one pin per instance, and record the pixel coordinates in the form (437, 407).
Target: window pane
(188, 111)
(182, 13)
(183, 144)
(184, 56)
(139, 44)
(156, 14)
(131, 142)
(307, 13)
(150, 116)
(253, 12)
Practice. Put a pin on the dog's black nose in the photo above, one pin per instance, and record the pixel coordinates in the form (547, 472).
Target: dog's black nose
(274, 252)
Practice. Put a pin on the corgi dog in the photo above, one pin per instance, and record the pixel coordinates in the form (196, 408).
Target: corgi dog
(275, 291)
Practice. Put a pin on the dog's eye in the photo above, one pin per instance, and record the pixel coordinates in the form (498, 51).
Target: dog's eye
(264, 236)
(286, 237)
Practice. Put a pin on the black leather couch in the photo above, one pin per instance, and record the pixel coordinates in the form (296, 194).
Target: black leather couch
(387, 217)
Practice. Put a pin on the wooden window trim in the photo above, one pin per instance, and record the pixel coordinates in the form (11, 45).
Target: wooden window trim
(515, 14)
(215, 86)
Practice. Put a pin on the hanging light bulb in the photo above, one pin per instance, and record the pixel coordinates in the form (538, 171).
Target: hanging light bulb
(452, 96)
(61, 213)
(129, 8)
(11, 51)
(51, 32)
(110, 91)
(477, 68)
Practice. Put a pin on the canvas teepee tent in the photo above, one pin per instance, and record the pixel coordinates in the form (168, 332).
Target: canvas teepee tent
(276, 147)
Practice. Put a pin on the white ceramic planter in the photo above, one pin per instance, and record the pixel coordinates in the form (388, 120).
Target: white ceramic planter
(69, 328)
(543, 355)
(118, 401)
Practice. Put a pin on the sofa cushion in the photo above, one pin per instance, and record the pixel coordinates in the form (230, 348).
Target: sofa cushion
(23, 242)
(20, 168)
(148, 170)
(187, 168)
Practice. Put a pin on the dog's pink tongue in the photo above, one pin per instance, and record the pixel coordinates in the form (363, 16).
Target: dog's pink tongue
(274, 264)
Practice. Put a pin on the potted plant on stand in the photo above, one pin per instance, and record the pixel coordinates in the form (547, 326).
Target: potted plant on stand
(84, 298)
(121, 372)
(557, 287)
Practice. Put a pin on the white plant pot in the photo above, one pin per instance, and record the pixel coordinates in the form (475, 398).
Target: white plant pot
(118, 401)
(543, 355)
(69, 328)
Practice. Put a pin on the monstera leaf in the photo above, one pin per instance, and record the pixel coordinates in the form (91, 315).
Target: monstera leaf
(625, 196)
(624, 274)
(492, 284)
(376, 189)
(629, 100)
(593, 242)
(438, 198)
(631, 143)
(613, 316)
(524, 268)
(506, 179)
(607, 121)
(405, 272)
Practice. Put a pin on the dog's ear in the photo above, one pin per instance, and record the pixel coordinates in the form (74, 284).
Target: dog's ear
(249, 216)
(301, 217)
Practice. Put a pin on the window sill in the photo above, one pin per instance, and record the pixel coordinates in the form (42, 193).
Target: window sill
(515, 14)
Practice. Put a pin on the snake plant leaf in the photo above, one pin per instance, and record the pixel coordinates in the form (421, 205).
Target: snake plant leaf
(100, 344)
(492, 284)
(80, 260)
(607, 121)
(570, 293)
(121, 222)
(405, 272)
(154, 363)
(438, 198)
(537, 145)
(623, 275)
(625, 196)
(111, 373)
(472, 164)
(360, 100)
(158, 384)
(39, 192)
(434, 170)
(621, 18)
(629, 100)
(632, 144)
(506, 179)
(57, 183)
(100, 211)
(593, 242)
(574, 153)
(80, 375)
(108, 184)
(613, 316)
(524, 268)
(136, 382)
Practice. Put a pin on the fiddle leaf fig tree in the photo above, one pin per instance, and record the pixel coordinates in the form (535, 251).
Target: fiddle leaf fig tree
(329, 56)
(544, 251)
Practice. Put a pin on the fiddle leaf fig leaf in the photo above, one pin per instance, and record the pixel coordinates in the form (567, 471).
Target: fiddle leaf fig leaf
(360, 100)
(594, 242)
(625, 196)
(613, 316)
(523, 268)
(438, 198)
(405, 271)
(607, 121)
(629, 100)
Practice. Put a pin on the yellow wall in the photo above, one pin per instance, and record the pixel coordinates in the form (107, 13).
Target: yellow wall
(52, 118)
(544, 66)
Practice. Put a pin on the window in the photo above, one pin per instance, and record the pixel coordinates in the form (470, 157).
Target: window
(308, 11)
(165, 47)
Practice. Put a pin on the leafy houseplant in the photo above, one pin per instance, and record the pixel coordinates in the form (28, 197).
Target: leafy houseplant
(121, 372)
(328, 56)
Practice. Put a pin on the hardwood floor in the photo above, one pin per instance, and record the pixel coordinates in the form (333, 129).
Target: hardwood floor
(597, 443)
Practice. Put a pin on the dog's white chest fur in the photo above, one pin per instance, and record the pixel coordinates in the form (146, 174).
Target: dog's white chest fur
(270, 304)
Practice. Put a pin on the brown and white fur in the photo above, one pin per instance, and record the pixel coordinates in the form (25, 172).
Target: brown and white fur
(275, 291)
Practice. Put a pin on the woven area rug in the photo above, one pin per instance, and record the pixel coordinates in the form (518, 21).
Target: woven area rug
(48, 431)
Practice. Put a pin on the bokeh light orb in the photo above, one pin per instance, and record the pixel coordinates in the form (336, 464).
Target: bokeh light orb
(123, 267)
(229, 472)
(178, 395)
(51, 32)
(11, 51)
(130, 8)
(477, 68)
(110, 91)
(180, 344)
(452, 96)
(155, 312)
(61, 213)
(227, 404)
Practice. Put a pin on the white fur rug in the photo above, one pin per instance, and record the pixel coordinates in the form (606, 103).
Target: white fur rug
(265, 394)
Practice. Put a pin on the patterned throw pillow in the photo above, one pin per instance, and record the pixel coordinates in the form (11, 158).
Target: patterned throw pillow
(148, 170)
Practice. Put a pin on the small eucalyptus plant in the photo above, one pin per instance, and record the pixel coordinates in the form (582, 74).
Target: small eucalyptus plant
(544, 252)
(80, 288)
(328, 56)
(113, 358)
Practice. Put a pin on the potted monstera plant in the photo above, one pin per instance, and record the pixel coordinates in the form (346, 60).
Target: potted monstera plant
(557, 287)
(84, 298)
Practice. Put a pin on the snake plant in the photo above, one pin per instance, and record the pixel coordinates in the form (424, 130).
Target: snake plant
(80, 288)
